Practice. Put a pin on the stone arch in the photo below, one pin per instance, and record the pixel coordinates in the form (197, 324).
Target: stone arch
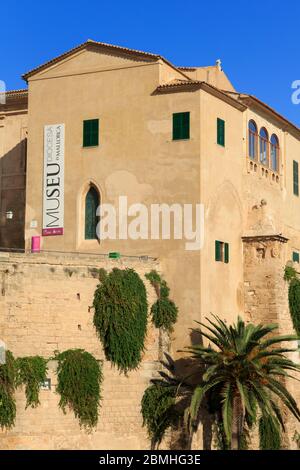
(222, 283)
(88, 185)
(92, 202)
(225, 191)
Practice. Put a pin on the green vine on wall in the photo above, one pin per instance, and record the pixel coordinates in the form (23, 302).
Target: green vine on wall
(79, 377)
(7, 392)
(290, 275)
(294, 303)
(158, 411)
(164, 311)
(31, 372)
(120, 316)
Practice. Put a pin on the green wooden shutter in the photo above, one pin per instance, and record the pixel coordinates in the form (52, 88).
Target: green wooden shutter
(91, 219)
(181, 126)
(185, 125)
(86, 134)
(176, 126)
(91, 133)
(218, 251)
(221, 132)
(295, 178)
(226, 253)
(296, 257)
(95, 132)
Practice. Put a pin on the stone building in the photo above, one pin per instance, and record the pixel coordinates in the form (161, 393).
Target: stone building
(13, 149)
(122, 122)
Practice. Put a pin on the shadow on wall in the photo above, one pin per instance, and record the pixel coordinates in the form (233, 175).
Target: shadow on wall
(180, 440)
(188, 372)
(12, 197)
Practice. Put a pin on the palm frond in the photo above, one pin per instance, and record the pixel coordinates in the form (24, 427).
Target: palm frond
(227, 410)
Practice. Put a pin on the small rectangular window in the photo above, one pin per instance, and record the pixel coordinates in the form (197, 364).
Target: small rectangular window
(295, 178)
(296, 257)
(221, 251)
(181, 126)
(91, 133)
(221, 132)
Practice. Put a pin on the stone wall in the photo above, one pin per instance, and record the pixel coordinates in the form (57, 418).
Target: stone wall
(266, 301)
(45, 305)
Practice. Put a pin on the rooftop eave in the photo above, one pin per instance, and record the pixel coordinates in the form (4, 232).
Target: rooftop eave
(194, 85)
(252, 101)
(14, 100)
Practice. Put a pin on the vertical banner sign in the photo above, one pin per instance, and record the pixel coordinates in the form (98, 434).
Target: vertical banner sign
(53, 190)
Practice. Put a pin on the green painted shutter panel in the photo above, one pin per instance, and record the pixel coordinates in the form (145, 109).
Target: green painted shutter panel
(221, 132)
(86, 135)
(296, 257)
(95, 132)
(218, 254)
(226, 253)
(185, 125)
(181, 126)
(91, 133)
(295, 178)
(176, 126)
(91, 219)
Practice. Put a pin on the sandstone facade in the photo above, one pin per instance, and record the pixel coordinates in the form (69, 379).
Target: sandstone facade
(45, 305)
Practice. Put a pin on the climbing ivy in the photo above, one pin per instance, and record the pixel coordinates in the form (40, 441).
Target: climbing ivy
(269, 434)
(31, 372)
(290, 275)
(158, 411)
(164, 311)
(294, 303)
(79, 377)
(120, 316)
(7, 390)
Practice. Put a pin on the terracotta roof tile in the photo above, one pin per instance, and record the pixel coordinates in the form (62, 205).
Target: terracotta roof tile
(191, 69)
(178, 84)
(183, 85)
(21, 91)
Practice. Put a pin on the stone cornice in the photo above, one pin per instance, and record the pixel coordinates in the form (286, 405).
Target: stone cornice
(265, 238)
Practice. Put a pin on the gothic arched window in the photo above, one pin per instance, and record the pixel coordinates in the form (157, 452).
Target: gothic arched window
(92, 201)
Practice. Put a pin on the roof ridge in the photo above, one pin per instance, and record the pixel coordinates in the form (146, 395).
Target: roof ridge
(100, 44)
(182, 67)
(105, 44)
(82, 46)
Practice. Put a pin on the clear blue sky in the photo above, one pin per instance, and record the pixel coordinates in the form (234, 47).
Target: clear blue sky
(258, 41)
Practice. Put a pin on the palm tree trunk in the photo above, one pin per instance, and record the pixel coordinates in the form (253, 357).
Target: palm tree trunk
(237, 423)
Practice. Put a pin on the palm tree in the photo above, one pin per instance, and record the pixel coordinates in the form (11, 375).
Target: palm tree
(244, 372)
(238, 375)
